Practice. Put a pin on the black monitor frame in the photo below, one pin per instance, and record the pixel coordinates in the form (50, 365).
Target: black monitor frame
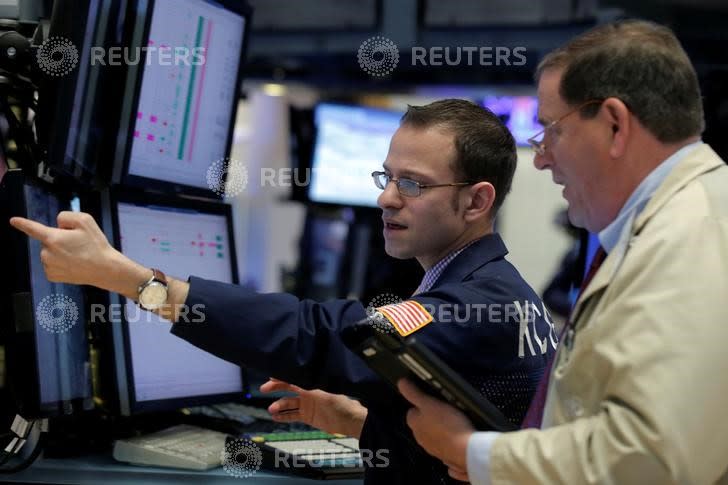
(120, 340)
(76, 123)
(139, 36)
(19, 325)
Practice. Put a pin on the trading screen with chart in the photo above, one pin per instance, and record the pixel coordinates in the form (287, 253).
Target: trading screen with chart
(180, 243)
(351, 143)
(188, 86)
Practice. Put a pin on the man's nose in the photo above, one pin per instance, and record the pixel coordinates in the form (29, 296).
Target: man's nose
(390, 196)
(542, 161)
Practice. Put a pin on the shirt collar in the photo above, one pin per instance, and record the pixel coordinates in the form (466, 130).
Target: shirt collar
(610, 236)
(432, 274)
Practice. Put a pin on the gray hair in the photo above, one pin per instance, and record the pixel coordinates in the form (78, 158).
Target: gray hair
(642, 64)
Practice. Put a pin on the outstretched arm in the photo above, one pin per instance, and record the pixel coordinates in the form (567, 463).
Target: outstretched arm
(77, 252)
(240, 326)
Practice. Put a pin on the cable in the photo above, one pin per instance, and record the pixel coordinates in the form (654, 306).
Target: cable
(10, 454)
(27, 461)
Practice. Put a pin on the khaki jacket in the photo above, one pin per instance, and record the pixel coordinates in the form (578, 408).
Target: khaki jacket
(641, 393)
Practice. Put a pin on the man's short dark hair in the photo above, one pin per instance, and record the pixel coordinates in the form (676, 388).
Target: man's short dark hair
(485, 148)
(641, 63)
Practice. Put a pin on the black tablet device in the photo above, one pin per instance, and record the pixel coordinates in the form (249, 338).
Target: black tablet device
(393, 357)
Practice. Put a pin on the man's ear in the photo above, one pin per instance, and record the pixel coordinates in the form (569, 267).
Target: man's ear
(481, 200)
(617, 115)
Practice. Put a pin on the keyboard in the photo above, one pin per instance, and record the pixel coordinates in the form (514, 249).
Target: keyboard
(181, 446)
(305, 452)
(238, 411)
(237, 419)
(241, 413)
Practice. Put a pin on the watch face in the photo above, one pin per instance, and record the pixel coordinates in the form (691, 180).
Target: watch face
(153, 296)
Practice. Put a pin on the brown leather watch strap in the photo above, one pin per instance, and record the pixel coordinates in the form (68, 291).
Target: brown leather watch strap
(158, 275)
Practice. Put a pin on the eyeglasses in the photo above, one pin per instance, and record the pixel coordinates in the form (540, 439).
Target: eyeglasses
(408, 187)
(537, 141)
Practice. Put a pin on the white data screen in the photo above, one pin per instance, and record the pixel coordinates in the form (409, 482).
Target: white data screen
(180, 243)
(187, 92)
(351, 143)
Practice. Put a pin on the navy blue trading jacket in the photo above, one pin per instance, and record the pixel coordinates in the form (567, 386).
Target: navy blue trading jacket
(489, 326)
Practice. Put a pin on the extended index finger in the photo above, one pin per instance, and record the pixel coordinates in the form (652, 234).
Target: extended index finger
(36, 230)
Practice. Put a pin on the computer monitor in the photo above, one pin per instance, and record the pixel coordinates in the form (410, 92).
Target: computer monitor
(351, 143)
(44, 323)
(156, 370)
(78, 100)
(323, 250)
(181, 107)
(519, 113)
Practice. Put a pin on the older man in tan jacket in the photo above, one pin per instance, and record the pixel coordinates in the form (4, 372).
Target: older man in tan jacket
(637, 392)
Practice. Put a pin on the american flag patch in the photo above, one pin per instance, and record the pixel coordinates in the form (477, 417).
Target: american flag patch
(407, 317)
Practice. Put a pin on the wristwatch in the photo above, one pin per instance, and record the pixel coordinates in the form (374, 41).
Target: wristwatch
(153, 293)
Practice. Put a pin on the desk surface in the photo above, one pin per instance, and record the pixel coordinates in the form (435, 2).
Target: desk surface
(104, 469)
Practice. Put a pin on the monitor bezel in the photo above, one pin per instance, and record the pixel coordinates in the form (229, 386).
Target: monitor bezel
(25, 388)
(123, 177)
(65, 107)
(129, 403)
(315, 143)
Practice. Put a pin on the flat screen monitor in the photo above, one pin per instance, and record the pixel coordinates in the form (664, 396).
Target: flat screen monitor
(78, 96)
(155, 369)
(44, 323)
(351, 143)
(519, 113)
(182, 111)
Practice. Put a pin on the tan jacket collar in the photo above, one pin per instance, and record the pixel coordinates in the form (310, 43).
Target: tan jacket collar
(699, 161)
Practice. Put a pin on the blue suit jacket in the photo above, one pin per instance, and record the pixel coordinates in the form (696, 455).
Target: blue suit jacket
(489, 326)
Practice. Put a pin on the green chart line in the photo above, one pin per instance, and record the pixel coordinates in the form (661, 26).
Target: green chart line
(185, 124)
